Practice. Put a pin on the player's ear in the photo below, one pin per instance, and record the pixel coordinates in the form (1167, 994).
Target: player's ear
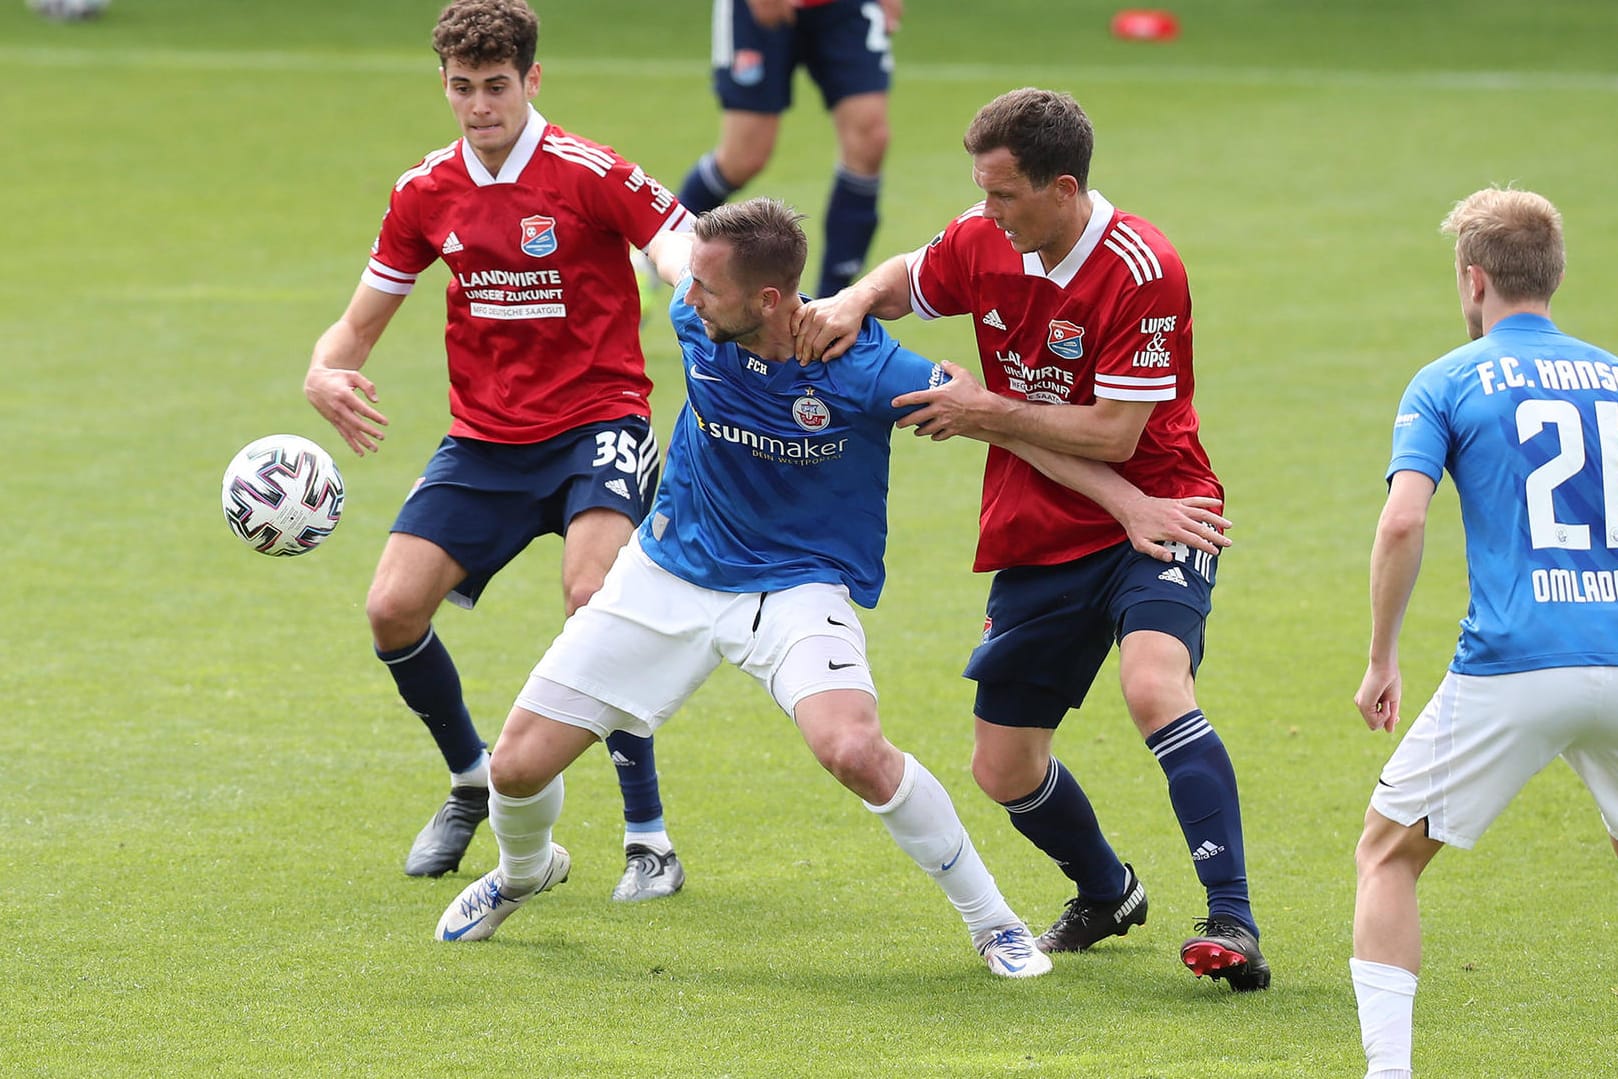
(530, 81)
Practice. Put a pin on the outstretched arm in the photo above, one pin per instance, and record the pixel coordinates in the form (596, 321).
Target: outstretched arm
(334, 385)
(1395, 564)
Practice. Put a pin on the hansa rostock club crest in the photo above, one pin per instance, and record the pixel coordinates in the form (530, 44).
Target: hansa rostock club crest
(810, 412)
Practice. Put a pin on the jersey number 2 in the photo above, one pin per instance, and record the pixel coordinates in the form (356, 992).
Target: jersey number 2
(1544, 530)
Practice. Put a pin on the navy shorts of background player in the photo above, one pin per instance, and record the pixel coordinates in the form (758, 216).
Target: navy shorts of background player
(484, 502)
(1050, 627)
(829, 40)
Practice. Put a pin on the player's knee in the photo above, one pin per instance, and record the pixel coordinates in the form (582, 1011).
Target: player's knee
(1385, 847)
(1003, 778)
(576, 594)
(1156, 698)
(739, 165)
(513, 769)
(851, 754)
(866, 146)
(396, 619)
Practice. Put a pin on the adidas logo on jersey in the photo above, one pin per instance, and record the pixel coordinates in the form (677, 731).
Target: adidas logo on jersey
(994, 320)
(452, 244)
(1173, 576)
(1208, 849)
(621, 489)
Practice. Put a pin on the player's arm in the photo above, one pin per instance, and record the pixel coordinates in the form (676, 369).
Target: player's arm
(1150, 522)
(1395, 563)
(824, 329)
(1105, 431)
(670, 253)
(334, 384)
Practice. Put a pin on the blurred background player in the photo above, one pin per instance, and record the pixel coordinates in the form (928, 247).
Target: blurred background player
(1083, 321)
(757, 46)
(1525, 419)
(551, 430)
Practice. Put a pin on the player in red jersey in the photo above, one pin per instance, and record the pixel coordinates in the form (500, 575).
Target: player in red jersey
(1083, 322)
(550, 431)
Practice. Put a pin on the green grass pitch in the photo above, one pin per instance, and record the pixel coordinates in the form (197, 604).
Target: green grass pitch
(207, 784)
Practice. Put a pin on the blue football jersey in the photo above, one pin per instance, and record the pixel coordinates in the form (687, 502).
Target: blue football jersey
(777, 475)
(1525, 420)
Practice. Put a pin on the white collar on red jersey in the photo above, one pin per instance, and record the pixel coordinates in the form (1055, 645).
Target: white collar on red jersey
(1100, 217)
(516, 161)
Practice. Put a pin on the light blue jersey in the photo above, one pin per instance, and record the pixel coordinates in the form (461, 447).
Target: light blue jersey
(777, 475)
(1525, 420)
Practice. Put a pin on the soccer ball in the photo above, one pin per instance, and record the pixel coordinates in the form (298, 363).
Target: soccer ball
(69, 10)
(282, 495)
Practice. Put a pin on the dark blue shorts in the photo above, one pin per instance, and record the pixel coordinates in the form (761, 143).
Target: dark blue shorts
(1050, 628)
(483, 502)
(843, 44)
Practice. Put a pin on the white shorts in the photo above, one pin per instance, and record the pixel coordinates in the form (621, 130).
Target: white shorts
(629, 658)
(1483, 737)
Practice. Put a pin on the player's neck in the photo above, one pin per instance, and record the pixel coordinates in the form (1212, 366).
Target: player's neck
(1073, 224)
(1494, 310)
(774, 342)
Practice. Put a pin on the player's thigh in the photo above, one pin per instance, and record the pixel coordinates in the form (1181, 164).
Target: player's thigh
(643, 644)
(1593, 754)
(846, 48)
(799, 642)
(1476, 744)
(412, 578)
(592, 542)
(1047, 632)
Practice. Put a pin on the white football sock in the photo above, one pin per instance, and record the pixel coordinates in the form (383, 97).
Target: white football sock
(475, 776)
(1387, 997)
(523, 828)
(658, 841)
(923, 821)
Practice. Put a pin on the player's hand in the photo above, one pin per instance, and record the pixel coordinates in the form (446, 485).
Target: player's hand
(824, 329)
(1154, 523)
(1378, 696)
(347, 400)
(955, 408)
(892, 12)
(770, 14)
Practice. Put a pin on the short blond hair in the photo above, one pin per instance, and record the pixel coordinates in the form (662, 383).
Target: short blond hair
(1513, 236)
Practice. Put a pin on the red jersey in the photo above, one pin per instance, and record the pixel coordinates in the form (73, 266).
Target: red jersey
(543, 330)
(1112, 320)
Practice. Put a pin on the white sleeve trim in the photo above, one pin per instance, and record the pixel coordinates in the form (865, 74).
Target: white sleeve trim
(918, 302)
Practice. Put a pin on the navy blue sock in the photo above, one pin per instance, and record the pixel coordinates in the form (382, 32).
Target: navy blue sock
(850, 224)
(1202, 789)
(636, 761)
(705, 186)
(431, 687)
(1057, 818)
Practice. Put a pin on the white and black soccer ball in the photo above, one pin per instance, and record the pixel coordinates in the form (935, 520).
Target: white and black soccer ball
(283, 495)
(69, 10)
